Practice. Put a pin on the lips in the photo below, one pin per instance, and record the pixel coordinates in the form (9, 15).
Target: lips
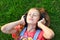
(30, 19)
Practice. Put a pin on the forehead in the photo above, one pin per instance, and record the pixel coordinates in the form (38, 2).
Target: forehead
(33, 10)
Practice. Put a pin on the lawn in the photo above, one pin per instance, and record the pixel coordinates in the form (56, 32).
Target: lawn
(12, 10)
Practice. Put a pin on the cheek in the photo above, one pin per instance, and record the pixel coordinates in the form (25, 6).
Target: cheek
(27, 19)
(36, 19)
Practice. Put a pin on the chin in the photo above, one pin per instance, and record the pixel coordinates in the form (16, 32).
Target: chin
(31, 23)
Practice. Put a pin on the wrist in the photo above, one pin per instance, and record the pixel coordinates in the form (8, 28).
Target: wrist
(41, 25)
(21, 22)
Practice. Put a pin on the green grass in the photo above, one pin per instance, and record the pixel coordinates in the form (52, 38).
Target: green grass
(12, 10)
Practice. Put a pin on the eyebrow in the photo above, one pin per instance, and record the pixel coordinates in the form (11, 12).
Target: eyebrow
(35, 14)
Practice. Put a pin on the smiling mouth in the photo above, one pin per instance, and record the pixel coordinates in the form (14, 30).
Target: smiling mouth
(30, 19)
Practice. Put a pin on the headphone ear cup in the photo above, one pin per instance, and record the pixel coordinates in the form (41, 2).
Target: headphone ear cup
(42, 15)
(25, 16)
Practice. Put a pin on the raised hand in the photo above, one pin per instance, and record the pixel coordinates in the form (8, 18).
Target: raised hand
(42, 21)
(22, 21)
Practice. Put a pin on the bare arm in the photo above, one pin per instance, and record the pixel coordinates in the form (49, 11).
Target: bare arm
(48, 33)
(9, 28)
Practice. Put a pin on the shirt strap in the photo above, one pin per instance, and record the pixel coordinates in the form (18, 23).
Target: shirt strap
(36, 34)
(23, 31)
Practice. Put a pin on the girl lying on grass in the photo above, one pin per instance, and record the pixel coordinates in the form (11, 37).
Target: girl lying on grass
(34, 25)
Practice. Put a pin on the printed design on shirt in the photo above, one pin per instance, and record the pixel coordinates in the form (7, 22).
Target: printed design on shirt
(26, 38)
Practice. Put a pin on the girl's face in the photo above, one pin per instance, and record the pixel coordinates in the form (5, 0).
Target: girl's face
(33, 16)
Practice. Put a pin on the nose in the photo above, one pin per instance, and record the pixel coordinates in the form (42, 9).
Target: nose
(31, 16)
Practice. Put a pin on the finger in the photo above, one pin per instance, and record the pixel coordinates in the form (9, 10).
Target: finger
(43, 18)
(22, 18)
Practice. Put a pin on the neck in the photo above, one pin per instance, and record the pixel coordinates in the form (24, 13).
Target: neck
(31, 27)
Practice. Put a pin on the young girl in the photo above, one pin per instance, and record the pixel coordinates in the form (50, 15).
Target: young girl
(34, 24)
